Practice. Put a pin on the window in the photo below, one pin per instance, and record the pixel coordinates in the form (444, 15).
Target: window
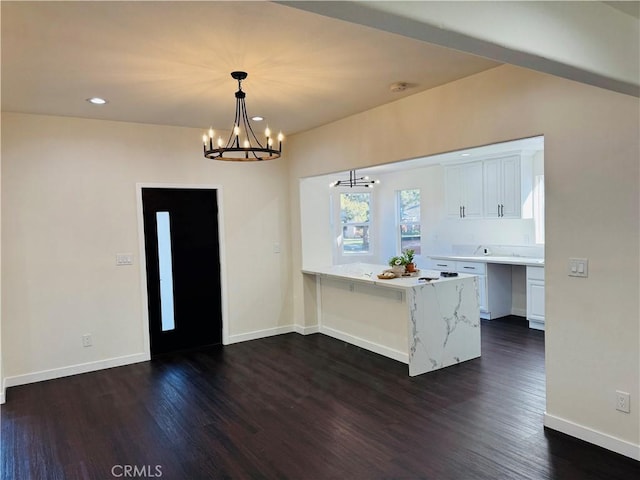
(355, 219)
(409, 219)
(163, 231)
(538, 207)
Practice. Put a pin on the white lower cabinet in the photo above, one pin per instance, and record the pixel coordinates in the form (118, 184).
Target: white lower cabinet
(498, 281)
(494, 284)
(535, 297)
(443, 265)
(479, 269)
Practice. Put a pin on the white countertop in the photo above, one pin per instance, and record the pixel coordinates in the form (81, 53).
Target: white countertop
(527, 261)
(368, 273)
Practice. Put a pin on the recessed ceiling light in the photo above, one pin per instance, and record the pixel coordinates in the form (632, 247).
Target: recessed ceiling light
(465, 154)
(257, 118)
(96, 100)
(399, 87)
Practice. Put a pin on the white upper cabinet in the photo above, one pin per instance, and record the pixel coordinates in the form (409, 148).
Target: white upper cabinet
(502, 187)
(488, 188)
(463, 188)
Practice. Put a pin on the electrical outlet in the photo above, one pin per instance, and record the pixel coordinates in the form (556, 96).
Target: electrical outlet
(86, 340)
(622, 401)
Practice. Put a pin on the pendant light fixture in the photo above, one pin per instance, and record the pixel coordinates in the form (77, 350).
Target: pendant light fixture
(355, 181)
(242, 144)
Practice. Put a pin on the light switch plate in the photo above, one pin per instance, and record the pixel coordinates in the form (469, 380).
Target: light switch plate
(578, 267)
(124, 259)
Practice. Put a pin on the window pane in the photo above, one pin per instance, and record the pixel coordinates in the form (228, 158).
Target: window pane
(538, 208)
(166, 271)
(355, 238)
(410, 237)
(409, 205)
(409, 219)
(354, 207)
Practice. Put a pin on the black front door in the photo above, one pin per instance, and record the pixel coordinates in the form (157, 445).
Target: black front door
(183, 268)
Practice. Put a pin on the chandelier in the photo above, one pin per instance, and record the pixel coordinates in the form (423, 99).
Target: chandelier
(242, 144)
(355, 181)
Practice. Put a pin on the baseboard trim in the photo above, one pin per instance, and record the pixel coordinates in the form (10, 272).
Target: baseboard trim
(71, 370)
(366, 344)
(256, 334)
(306, 330)
(130, 359)
(519, 312)
(595, 437)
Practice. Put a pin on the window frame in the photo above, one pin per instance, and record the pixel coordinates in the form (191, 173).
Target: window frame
(400, 223)
(341, 251)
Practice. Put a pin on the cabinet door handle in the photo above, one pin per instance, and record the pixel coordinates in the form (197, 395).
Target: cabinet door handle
(460, 213)
(501, 210)
(470, 268)
(463, 214)
(498, 210)
(441, 265)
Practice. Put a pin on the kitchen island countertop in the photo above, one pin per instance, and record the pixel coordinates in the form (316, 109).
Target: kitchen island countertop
(427, 324)
(368, 273)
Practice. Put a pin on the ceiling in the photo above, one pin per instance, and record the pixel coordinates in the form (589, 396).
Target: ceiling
(629, 7)
(169, 62)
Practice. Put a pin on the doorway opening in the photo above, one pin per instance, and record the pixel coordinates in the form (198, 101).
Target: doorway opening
(182, 272)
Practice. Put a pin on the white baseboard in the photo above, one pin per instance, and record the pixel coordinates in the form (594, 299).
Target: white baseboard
(536, 325)
(140, 357)
(366, 344)
(603, 440)
(306, 330)
(270, 332)
(267, 332)
(519, 312)
(71, 370)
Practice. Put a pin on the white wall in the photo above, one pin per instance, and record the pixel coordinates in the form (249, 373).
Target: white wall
(315, 222)
(69, 205)
(2, 391)
(430, 181)
(592, 210)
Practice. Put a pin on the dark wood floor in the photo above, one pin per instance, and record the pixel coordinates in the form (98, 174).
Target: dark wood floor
(301, 408)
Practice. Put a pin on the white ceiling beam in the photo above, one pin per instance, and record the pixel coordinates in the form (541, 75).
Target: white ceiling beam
(589, 42)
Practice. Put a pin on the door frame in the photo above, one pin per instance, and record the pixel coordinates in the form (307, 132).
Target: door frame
(143, 261)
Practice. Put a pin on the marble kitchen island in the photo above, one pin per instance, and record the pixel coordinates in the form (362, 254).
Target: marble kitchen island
(427, 325)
